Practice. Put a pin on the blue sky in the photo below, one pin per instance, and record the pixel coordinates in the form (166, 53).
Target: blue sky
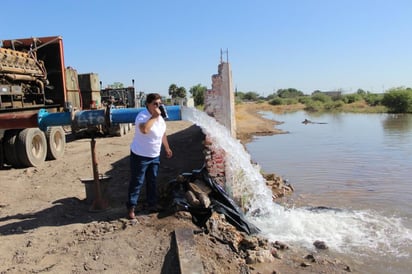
(308, 44)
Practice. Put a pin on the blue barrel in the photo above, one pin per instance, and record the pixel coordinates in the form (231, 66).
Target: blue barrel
(46, 119)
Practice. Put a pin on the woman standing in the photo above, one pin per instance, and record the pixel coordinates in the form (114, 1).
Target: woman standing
(150, 134)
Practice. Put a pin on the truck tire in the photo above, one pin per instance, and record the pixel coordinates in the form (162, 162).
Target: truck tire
(10, 151)
(125, 129)
(31, 147)
(117, 130)
(56, 143)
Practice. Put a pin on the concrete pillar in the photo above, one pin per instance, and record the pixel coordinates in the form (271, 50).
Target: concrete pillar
(220, 100)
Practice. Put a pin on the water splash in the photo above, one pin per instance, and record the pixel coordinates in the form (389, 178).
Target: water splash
(356, 232)
(243, 179)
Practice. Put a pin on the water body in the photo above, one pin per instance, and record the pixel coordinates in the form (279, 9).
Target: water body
(342, 164)
(357, 163)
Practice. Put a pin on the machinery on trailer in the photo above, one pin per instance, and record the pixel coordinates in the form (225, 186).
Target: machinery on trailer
(39, 96)
(33, 78)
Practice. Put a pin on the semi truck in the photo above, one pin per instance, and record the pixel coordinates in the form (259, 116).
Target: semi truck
(33, 78)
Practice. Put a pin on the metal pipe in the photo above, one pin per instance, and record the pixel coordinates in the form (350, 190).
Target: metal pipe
(46, 119)
(124, 115)
(85, 118)
(99, 202)
(128, 115)
(20, 77)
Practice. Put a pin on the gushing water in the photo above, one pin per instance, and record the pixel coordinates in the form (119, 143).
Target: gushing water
(355, 232)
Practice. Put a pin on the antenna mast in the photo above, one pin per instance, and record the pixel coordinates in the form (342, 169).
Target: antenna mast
(221, 55)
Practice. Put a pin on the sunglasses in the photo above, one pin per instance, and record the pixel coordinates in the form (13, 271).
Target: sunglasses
(156, 104)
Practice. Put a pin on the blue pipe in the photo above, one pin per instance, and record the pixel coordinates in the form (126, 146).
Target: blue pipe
(87, 118)
(46, 119)
(174, 113)
(128, 115)
(124, 115)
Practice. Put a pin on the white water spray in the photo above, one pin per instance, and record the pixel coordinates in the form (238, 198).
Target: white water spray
(359, 232)
(242, 178)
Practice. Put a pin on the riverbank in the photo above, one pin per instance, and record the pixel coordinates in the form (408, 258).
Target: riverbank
(249, 122)
(47, 225)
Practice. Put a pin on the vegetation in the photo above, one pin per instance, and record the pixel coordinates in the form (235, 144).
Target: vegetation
(177, 92)
(198, 94)
(396, 100)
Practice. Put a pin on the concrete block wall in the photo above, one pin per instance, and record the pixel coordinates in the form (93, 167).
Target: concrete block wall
(220, 100)
(220, 104)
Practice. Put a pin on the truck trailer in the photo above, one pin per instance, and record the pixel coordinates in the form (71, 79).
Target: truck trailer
(34, 80)
(41, 100)
(32, 77)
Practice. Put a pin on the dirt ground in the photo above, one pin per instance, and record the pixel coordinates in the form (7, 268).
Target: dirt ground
(48, 226)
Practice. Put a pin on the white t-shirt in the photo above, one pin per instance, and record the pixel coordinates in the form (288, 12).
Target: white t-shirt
(150, 144)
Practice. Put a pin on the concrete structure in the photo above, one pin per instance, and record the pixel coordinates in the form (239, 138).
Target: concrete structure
(220, 100)
(220, 104)
(187, 102)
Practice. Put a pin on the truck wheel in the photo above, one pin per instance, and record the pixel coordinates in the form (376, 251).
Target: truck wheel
(117, 130)
(31, 147)
(56, 143)
(125, 129)
(10, 151)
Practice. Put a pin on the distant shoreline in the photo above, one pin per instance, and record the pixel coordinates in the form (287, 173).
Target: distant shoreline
(250, 123)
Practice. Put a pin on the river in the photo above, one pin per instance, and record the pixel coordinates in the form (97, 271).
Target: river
(358, 167)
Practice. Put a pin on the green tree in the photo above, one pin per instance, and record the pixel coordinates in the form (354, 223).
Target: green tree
(181, 92)
(276, 101)
(177, 92)
(173, 90)
(198, 94)
(361, 92)
(251, 96)
(240, 95)
(289, 93)
(398, 100)
(351, 98)
(321, 97)
(373, 99)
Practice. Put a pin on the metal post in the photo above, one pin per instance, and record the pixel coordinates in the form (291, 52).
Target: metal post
(99, 203)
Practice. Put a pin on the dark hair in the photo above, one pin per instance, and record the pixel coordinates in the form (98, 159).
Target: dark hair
(151, 97)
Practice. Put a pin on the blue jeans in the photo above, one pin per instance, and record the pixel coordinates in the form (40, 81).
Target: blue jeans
(141, 169)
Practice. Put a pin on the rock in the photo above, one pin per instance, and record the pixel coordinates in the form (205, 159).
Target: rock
(278, 186)
(202, 186)
(280, 245)
(249, 242)
(259, 256)
(311, 258)
(201, 192)
(320, 245)
(192, 199)
(204, 200)
(275, 253)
